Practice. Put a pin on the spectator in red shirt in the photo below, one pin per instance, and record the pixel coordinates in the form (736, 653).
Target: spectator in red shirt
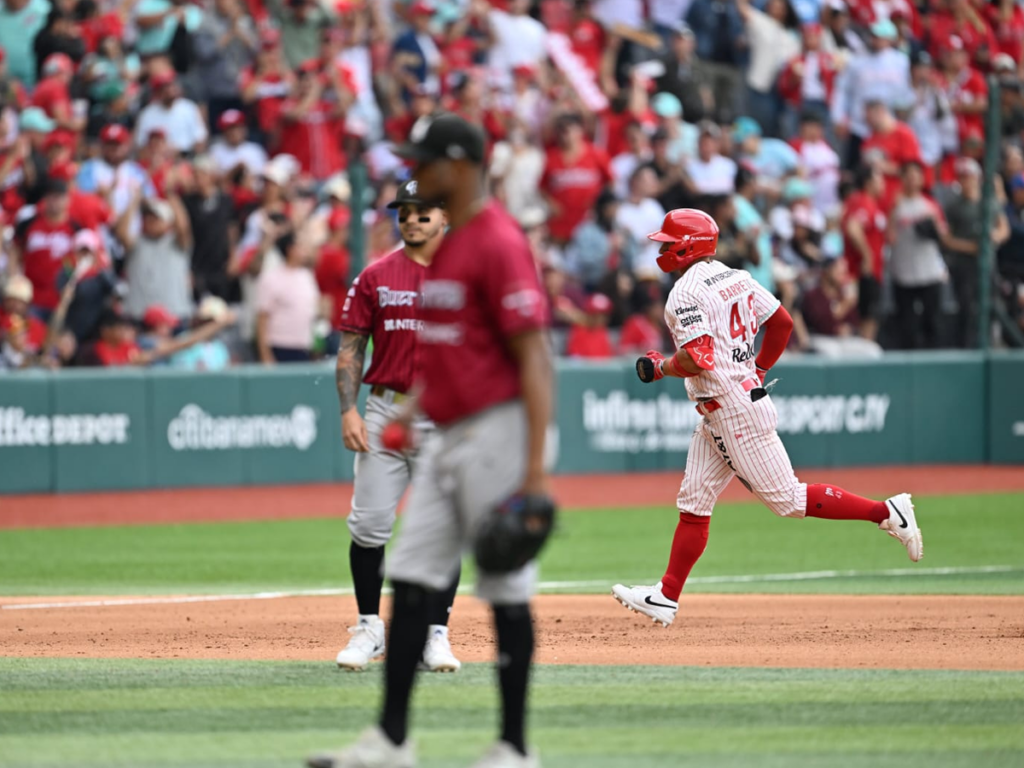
(962, 21)
(964, 87)
(313, 125)
(1006, 18)
(424, 102)
(89, 210)
(53, 93)
(468, 103)
(17, 299)
(864, 232)
(590, 337)
(830, 308)
(43, 244)
(117, 345)
(574, 175)
(333, 264)
(643, 330)
(265, 86)
(587, 37)
(806, 82)
(891, 144)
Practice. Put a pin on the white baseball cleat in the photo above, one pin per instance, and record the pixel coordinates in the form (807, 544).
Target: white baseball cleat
(902, 525)
(504, 755)
(648, 601)
(367, 644)
(373, 749)
(437, 653)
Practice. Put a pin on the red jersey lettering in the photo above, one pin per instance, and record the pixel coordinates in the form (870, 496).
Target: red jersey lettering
(481, 289)
(382, 303)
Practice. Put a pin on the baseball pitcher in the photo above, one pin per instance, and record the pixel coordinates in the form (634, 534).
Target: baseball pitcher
(714, 314)
(382, 305)
(485, 380)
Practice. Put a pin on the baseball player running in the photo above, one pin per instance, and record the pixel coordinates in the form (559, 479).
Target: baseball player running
(714, 314)
(485, 369)
(381, 305)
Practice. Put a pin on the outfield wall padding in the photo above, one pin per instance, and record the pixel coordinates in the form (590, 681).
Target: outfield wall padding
(129, 429)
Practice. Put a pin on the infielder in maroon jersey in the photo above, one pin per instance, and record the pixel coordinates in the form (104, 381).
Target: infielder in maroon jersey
(486, 377)
(382, 305)
(714, 314)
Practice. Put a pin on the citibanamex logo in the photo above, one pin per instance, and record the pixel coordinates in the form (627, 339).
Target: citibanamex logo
(193, 429)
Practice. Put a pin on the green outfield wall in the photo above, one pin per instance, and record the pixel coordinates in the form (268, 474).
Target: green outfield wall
(107, 430)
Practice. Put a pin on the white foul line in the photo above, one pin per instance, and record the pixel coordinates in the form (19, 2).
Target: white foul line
(542, 586)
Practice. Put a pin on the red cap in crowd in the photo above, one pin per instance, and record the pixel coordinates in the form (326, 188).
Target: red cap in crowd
(340, 217)
(598, 304)
(230, 119)
(309, 66)
(59, 139)
(58, 64)
(954, 43)
(63, 171)
(421, 7)
(115, 133)
(524, 70)
(157, 315)
(270, 38)
(161, 80)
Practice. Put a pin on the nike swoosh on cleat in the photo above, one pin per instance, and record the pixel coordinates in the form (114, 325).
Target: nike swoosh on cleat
(903, 520)
(658, 605)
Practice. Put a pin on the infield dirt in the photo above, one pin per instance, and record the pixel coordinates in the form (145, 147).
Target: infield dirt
(884, 632)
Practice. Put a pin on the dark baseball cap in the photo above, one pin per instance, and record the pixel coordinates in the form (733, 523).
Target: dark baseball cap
(444, 136)
(407, 195)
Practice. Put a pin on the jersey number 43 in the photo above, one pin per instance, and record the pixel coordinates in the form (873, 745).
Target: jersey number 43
(743, 318)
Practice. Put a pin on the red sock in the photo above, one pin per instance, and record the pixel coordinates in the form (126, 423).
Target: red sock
(832, 503)
(687, 547)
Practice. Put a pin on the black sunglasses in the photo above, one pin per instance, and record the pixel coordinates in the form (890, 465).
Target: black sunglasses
(421, 219)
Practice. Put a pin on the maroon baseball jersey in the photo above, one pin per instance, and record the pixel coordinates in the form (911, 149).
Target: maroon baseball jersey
(481, 289)
(382, 304)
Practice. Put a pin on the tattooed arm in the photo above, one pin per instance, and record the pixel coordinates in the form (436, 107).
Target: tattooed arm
(349, 375)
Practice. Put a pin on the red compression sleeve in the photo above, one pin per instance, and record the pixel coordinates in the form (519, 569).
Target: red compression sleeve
(833, 503)
(777, 329)
(687, 546)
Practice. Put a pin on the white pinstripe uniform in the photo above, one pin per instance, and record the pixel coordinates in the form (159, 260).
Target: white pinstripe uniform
(736, 436)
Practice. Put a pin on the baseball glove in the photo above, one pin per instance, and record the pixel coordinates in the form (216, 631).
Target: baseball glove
(514, 533)
(648, 367)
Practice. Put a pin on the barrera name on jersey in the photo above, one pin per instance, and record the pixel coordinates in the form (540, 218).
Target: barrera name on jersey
(728, 305)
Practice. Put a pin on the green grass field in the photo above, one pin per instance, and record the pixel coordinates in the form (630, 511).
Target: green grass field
(61, 712)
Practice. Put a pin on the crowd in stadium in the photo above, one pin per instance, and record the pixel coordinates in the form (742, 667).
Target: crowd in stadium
(176, 178)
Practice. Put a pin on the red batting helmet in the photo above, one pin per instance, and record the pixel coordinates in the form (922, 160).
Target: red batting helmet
(693, 234)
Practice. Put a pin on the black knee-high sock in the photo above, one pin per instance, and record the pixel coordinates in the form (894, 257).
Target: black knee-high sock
(365, 563)
(443, 601)
(408, 631)
(514, 626)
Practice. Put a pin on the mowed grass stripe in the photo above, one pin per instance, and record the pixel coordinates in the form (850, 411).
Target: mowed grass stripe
(959, 759)
(146, 676)
(580, 744)
(605, 712)
(591, 546)
(183, 713)
(926, 691)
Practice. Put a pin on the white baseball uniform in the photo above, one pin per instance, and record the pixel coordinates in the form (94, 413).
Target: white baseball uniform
(737, 435)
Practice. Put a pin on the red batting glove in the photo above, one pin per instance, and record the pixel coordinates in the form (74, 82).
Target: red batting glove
(396, 437)
(658, 359)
